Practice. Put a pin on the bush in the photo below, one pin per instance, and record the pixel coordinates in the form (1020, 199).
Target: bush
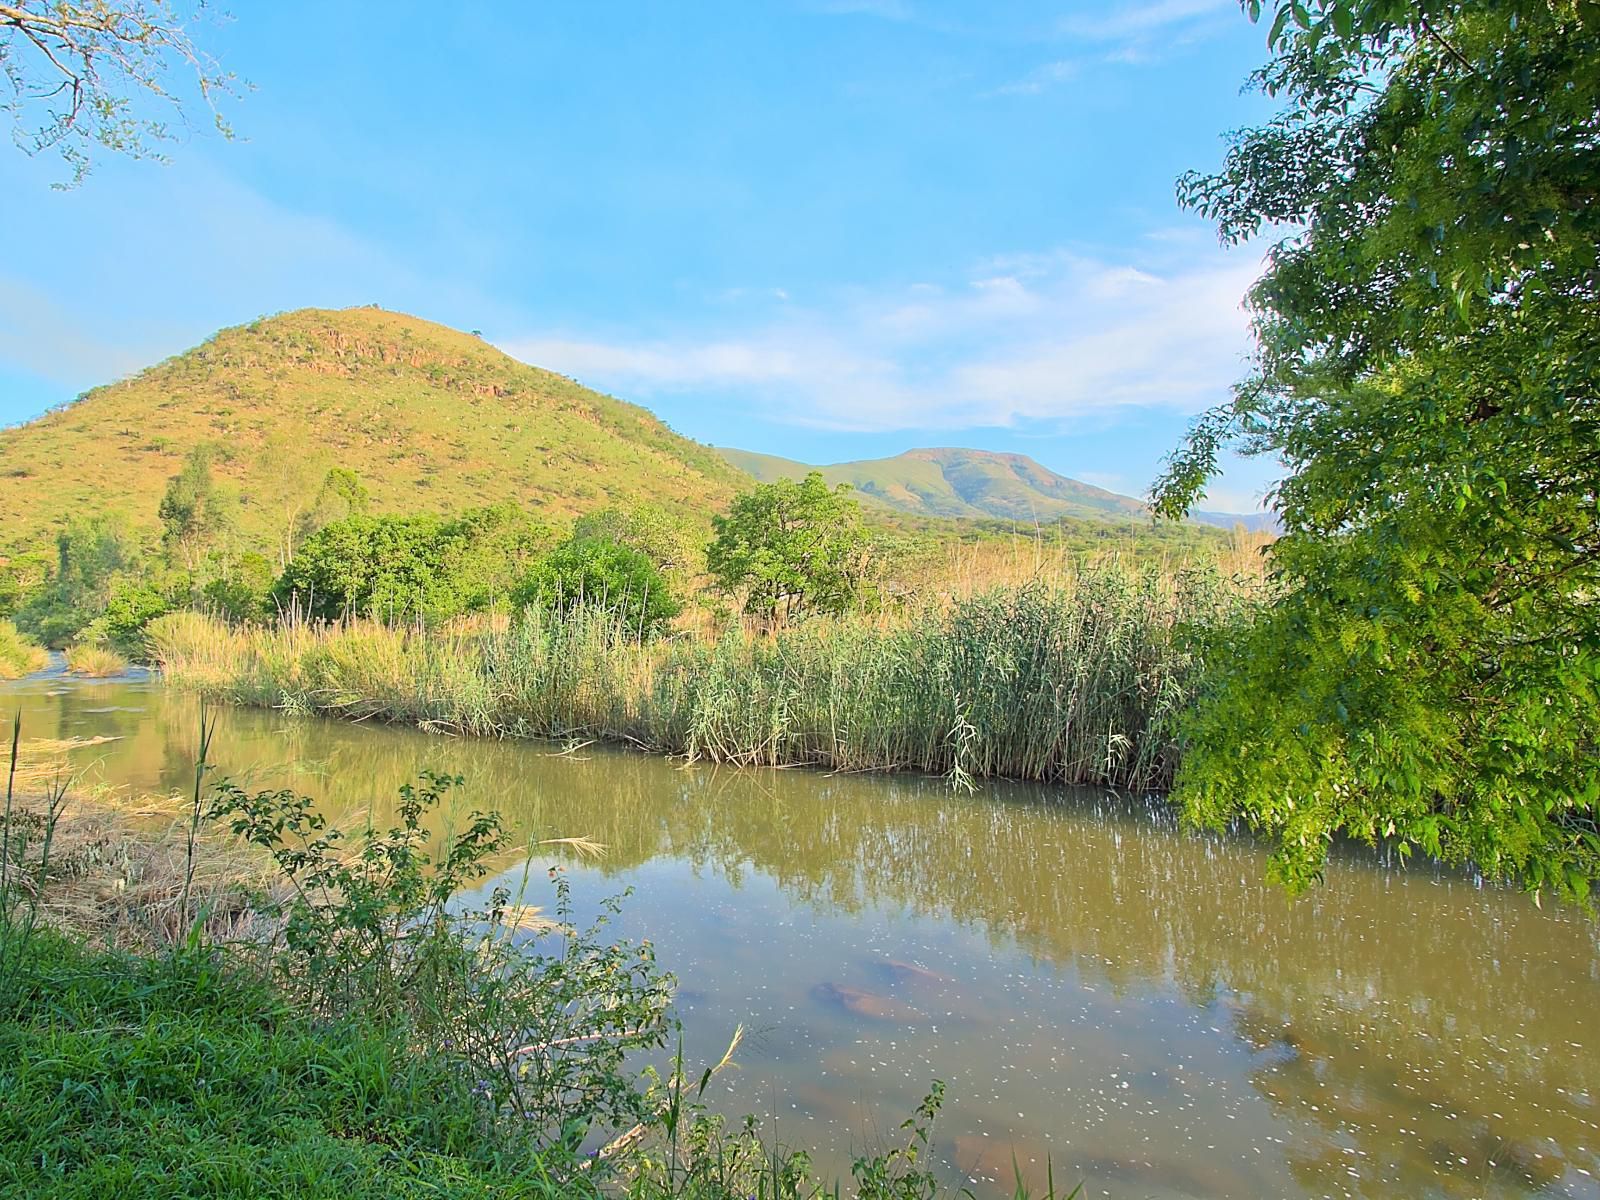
(18, 656)
(601, 574)
(95, 661)
(241, 593)
(405, 568)
(540, 1014)
(130, 608)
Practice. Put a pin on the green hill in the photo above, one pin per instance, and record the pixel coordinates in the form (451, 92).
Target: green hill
(978, 485)
(973, 484)
(428, 417)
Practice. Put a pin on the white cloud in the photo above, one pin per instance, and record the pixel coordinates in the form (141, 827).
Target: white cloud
(1043, 340)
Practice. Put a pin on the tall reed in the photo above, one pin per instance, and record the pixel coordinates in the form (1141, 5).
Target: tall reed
(1077, 681)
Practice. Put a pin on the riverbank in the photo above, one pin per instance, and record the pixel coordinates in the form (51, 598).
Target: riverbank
(310, 1019)
(1078, 683)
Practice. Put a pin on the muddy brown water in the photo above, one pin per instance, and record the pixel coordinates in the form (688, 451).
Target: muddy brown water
(1101, 992)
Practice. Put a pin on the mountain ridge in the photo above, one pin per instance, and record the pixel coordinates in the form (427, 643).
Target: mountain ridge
(973, 485)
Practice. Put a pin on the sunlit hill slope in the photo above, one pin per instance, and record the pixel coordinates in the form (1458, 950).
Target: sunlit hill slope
(428, 417)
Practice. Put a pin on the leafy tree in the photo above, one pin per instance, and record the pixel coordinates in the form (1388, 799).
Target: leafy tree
(92, 554)
(20, 576)
(487, 551)
(384, 567)
(241, 590)
(1428, 370)
(675, 544)
(132, 605)
(592, 572)
(792, 547)
(341, 495)
(102, 74)
(193, 511)
(401, 568)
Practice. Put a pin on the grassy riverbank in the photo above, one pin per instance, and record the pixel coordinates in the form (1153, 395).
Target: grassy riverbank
(1078, 681)
(310, 1014)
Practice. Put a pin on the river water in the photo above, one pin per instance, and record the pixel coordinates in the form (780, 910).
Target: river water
(1101, 991)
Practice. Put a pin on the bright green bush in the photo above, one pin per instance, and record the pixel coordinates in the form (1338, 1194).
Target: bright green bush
(408, 568)
(601, 574)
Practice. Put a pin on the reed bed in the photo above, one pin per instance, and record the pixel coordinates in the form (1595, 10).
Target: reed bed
(1074, 680)
(19, 656)
(95, 661)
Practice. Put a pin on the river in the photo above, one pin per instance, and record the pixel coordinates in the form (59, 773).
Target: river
(1101, 991)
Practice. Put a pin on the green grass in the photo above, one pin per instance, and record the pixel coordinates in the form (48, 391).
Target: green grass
(431, 419)
(1073, 683)
(18, 655)
(157, 1077)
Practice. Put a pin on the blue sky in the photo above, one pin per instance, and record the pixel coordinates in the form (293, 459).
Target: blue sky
(828, 229)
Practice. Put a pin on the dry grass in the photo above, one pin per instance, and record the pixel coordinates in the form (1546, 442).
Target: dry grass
(116, 872)
(94, 661)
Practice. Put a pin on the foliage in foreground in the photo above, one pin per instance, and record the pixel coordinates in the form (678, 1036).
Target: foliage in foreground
(142, 1077)
(369, 1033)
(1078, 684)
(1429, 371)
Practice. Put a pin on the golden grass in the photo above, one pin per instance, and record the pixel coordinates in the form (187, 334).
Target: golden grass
(95, 661)
(18, 655)
(116, 872)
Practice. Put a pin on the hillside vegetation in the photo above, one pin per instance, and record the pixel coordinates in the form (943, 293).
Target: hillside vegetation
(975, 485)
(429, 418)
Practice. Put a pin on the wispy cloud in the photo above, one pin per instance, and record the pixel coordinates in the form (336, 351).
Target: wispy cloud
(44, 338)
(1021, 341)
(1147, 30)
(1040, 79)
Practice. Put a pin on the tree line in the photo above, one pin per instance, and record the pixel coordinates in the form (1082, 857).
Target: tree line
(783, 551)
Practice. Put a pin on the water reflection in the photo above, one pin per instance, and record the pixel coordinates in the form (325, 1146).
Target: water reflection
(1098, 988)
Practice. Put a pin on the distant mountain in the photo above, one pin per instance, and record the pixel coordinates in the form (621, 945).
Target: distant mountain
(1255, 522)
(430, 418)
(973, 484)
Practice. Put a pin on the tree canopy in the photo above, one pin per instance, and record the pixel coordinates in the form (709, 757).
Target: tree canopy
(405, 568)
(598, 573)
(792, 547)
(102, 75)
(1428, 332)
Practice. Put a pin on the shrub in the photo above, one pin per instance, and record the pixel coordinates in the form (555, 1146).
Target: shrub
(95, 660)
(241, 592)
(405, 568)
(130, 608)
(18, 656)
(601, 574)
(541, 1014)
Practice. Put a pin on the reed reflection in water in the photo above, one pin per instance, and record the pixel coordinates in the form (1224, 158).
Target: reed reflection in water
(1098, 988)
